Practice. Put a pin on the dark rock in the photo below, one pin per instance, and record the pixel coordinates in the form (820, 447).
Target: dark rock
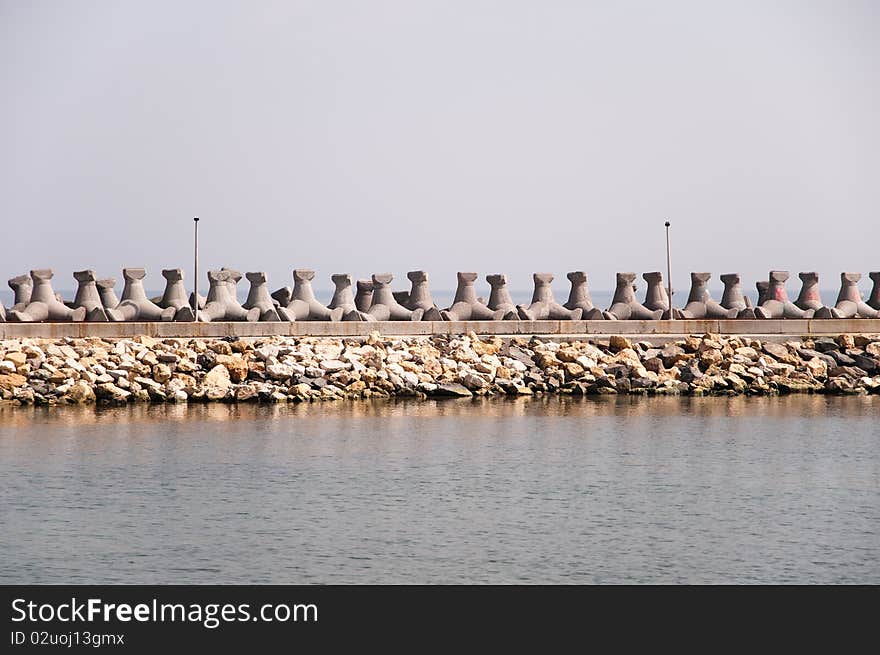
(520, 355)
(671, 355)
(865, 363)
(690, 373)
(825, 344)
(851, 372)
(842, 359)
(808, 354)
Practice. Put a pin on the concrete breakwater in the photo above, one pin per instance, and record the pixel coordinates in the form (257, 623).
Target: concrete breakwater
(284, 369)
(36, 301)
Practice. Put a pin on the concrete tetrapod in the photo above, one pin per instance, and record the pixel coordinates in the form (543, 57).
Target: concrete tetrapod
(466, 306)
(763, 287)
(134, 304)
(107, 292)
(624, 305)
(732, 297)
(383, 306)
(544, 305)
(282, 296)
(44, 304)
(343, 296)
(849, 301)
(777, 304)
(874, 299)
(810, 297)
(656, 295)
(700, 304)
(303, 305)
(419, 296)
(579, 297)
(499, 297)
(87, 296)
(222, 305)
(258, 296)
(175, 295)
(21, 286)
(364, 296)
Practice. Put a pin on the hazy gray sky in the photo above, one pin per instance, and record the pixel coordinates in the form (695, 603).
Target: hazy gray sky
(458, 135)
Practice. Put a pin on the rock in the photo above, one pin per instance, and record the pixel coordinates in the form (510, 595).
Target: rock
(850, 372)
(572, 370)
(817, 367)
(867, 364)
(807, 354)
(161, 373)
(217, 393)
(333, 365)
(845, 341)
(747, 352)
(109, 392)
(236, 366)
(452, 389)
(489, 347)
(12, 380)
(279, 371)
(654, 364)
(546, 360)
(672, 354)
(825, 344)
(473, 381)
(80, 392)
(245, 393)
(302, 390)
(617, 342)
(521, 355)
(873, 348)
(17, 358)
(710, 357)
(218, 378)
(778, 352)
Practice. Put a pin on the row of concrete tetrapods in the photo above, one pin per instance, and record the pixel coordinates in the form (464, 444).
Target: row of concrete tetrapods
(373, 300)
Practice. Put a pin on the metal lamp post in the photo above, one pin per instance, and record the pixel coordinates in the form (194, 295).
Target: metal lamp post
(196, 271)
(668, 269)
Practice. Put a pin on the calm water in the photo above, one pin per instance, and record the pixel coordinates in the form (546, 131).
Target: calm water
(576, 491)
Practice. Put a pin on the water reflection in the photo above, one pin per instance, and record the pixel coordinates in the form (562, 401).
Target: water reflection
(629, 406)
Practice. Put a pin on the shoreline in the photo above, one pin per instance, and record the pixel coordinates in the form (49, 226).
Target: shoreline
(143, 369)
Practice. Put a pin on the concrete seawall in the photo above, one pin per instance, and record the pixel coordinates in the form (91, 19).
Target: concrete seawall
(779, 328)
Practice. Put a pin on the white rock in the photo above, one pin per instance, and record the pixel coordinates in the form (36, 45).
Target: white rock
(333, 365)
(218, 377)
(279, 371)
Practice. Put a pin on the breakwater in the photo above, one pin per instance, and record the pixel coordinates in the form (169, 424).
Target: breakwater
(36, 301)
(284, 369)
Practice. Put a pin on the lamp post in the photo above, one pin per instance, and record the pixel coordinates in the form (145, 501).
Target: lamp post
(668, 269)
(196, 272)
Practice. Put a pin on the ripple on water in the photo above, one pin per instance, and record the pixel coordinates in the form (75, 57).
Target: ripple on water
(529, 490)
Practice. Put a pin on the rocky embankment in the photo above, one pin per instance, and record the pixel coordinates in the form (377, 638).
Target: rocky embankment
(277, 369)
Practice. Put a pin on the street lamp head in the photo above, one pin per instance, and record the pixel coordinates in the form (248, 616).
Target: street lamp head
(667, 223)
(196, 219)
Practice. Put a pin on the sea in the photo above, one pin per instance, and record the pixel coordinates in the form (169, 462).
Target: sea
(526, 491)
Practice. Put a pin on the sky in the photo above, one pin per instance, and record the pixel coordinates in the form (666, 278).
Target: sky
(392, 135)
